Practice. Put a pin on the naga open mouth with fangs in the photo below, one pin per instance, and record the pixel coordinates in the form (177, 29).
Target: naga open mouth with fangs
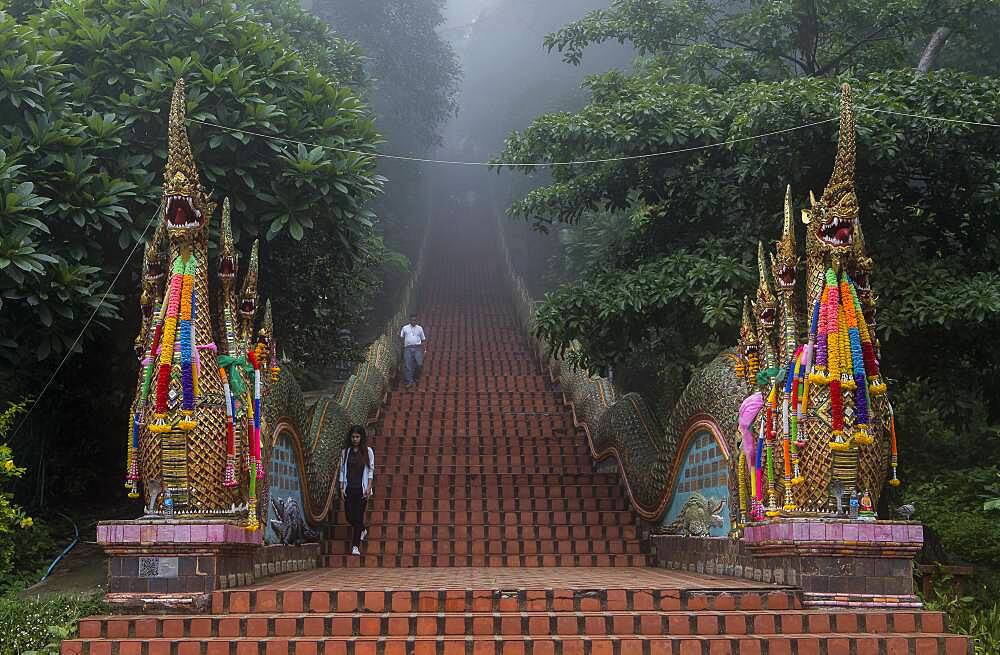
(785, 260)
(766, 317)
(838, 232)
(765, 305)
(181, 214)
(186, 205)
(786, 277)
(248, 307)
(227, 268)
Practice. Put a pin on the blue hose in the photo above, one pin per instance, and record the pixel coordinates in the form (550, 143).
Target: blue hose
(76, 540)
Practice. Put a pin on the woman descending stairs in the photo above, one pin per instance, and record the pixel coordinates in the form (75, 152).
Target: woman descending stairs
(479, 464)
(491, 534)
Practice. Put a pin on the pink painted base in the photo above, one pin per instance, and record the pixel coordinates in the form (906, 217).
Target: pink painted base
(848, 532)
(174, 532)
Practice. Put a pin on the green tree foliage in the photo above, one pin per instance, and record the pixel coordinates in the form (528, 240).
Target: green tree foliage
(722, 41)
(84, 92)
(84, 115)
(13, 520)
(415, 72)
(57, 204)
(414, 77)
(665, 292)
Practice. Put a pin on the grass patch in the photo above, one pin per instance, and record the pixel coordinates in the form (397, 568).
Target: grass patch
(38, 625)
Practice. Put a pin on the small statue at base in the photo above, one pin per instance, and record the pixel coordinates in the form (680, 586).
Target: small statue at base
(867, 512)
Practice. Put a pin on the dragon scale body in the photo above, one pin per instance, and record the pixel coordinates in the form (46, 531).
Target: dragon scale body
(211, 402)
(776, 361)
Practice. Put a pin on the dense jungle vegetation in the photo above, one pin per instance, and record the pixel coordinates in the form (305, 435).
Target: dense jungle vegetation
(657, 253)
(84, 91)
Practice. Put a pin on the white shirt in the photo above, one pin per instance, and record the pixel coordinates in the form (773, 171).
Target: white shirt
(412, 335)
(369, 469)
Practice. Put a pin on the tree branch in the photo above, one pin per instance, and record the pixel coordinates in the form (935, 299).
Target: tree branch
(874, 35)
(933, 49)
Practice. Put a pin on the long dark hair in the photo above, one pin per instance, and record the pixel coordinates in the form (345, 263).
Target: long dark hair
(362, 447)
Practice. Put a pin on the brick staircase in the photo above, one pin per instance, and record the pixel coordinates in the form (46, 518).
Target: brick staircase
(492, 534)
(526, 620)
(479, 464)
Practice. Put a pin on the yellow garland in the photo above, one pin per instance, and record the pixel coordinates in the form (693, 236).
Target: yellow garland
(833, 355)
(186, 287)
(741, 476)
(195, 381)
(167, 341)
(753, 366)
(818, 374)
(847, 382)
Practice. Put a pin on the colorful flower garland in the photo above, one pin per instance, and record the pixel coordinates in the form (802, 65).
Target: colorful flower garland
(894, 481)
(133, 476)
(229, 476)
(255, 465)
(178, 319)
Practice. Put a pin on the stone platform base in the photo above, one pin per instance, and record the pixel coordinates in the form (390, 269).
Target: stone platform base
(175, 565)
(836, 563)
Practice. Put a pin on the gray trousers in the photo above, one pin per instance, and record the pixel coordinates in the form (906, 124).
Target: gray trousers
(413, 360)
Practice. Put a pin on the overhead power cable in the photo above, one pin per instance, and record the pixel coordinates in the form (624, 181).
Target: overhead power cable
(71, 349)
(927, 118)
(581, 162)
(605, 160)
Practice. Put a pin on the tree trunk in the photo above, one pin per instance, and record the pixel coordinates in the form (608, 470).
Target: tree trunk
(933, 49)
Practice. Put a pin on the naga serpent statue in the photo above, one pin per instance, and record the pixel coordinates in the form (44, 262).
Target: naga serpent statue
(797, 405)
(210, 400)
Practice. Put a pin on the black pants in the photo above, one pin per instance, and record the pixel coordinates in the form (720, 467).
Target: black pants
(354, 507)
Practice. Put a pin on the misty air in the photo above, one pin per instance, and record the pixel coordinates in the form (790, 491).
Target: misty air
(499, 327)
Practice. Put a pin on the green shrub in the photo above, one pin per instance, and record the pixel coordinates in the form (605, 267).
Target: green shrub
(40, 624)
(952, 505)
(971, 615)
(13, 520)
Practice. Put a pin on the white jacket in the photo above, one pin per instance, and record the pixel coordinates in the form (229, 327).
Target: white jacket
(369, 469)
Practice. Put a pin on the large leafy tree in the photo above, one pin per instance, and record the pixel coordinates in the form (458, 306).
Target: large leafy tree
(414, 76)
(88, 130)
(83, 111)
(55, 201)
(663, 294)
(414, 71)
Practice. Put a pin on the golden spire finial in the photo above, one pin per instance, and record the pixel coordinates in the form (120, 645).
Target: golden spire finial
(839, 194)
(267, 325)
(765, 304)
(181, 171)
(248, 295)
(228, 257)
(788, 228)
(785, 260)
(764, 280)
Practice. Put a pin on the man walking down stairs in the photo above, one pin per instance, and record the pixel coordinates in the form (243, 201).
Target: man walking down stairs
(492, 534)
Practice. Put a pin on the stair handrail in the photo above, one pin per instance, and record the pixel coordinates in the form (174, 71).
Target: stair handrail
(358, 402)
(619, 426)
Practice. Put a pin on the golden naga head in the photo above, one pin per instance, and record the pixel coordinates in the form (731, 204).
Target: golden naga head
(186, 206)
(248, 295)
(153, 268)
(785, 261)
(833, 221)
(748, 348)
(765, 305)
(229, 258)
(265, 335)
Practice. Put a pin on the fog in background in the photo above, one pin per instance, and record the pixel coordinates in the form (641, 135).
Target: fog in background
(508, 79)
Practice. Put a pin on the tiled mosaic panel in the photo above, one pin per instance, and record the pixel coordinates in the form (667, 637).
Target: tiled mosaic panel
(286, 480)
(704, 470)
